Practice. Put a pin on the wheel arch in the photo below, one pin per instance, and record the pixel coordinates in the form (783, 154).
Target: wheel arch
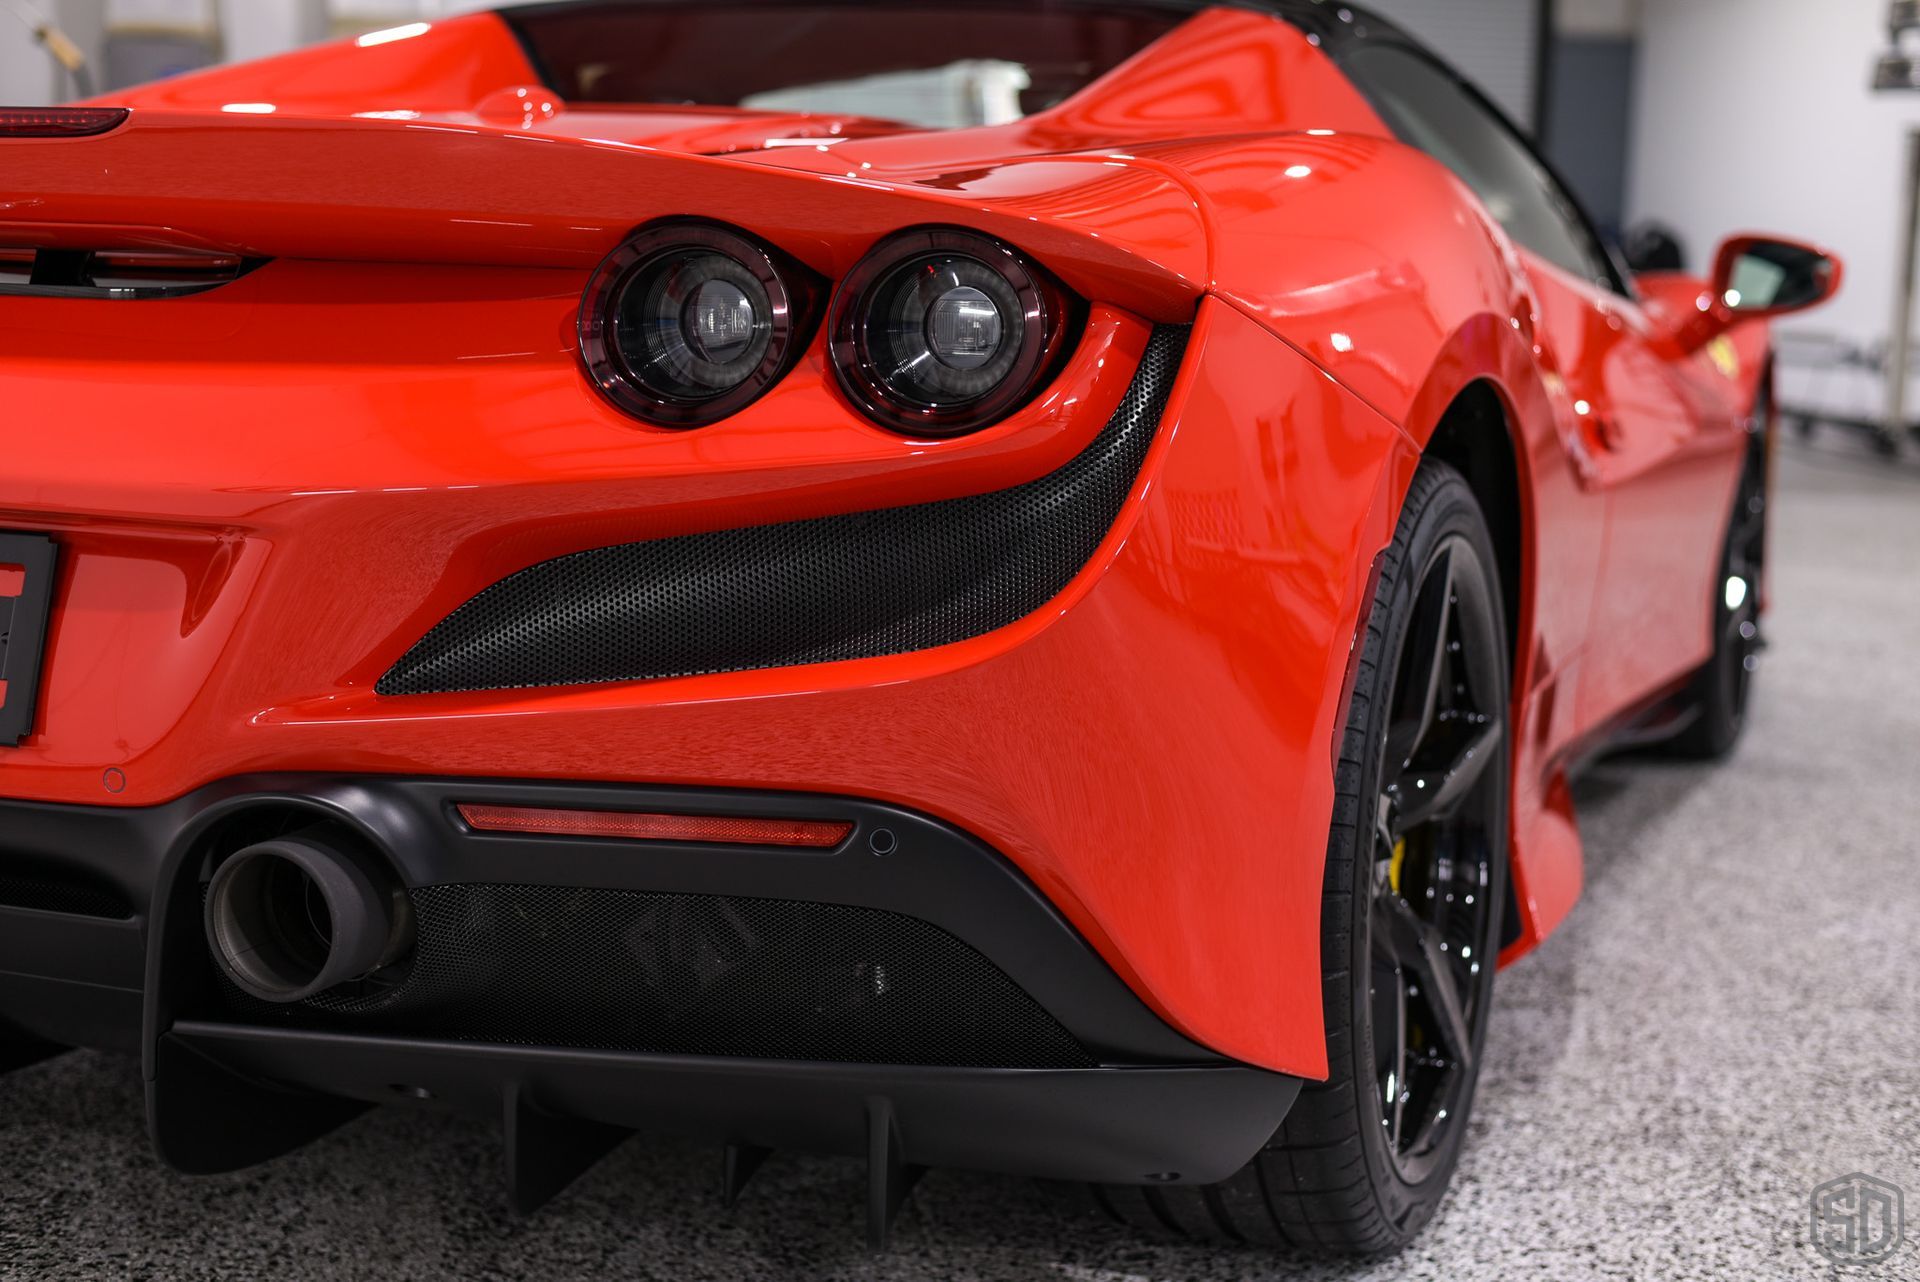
(1475, 438)
(1485, 409)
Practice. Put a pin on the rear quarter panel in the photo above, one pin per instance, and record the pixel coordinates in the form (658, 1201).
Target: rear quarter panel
(1375, 263)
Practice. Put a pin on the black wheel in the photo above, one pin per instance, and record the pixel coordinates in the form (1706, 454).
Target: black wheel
(1415, 878)
(1716, 698)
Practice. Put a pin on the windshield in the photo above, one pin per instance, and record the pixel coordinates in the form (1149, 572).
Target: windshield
(937, 66)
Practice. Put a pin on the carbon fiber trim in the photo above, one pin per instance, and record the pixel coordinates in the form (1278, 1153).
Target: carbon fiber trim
(817, 591)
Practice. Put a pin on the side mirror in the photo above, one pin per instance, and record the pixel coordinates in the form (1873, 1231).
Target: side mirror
(1755, 277)
(1759, 276)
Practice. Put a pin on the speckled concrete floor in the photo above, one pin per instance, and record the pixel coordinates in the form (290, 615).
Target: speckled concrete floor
(1730, 1018)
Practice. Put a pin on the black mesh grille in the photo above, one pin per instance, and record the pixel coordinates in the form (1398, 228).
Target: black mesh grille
(843, 587)
(692, 975)
(61, 893)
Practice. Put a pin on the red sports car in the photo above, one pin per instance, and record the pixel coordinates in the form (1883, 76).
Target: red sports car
(1007, 585)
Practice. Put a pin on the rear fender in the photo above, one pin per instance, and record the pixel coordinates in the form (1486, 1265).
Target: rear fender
(1546, 857)
(1554, 609)
(1373, 261)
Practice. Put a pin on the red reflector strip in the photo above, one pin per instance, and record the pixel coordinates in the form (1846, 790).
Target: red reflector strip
(707, 829)
(60, 122)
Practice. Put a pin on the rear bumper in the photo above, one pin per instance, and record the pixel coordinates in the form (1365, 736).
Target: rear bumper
(1106, 1125)
(1152, 748)
(229, 1086)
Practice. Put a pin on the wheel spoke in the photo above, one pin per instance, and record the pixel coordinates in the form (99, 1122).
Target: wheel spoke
(1385, 836)
(1397, 1090)
(1417, 948)
(1423, 666)
(1397, 932)
(1423, 796)
(1389, 1024)
(1436, 827)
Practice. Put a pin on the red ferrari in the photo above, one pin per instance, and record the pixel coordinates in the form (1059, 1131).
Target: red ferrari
(1009, 586)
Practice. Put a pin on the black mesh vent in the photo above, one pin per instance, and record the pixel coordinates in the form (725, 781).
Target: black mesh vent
(692, 975)
(61, 893)
(843, 587)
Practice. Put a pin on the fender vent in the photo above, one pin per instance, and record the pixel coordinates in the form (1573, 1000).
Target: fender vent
(681, 974)
(817, 591)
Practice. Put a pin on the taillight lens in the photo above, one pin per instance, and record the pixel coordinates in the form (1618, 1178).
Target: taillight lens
(60, 122)
(687, 323)
(941, 332)
(729, 830)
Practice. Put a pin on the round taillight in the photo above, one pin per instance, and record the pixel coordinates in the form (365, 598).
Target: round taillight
(941, 332)
(687, 323)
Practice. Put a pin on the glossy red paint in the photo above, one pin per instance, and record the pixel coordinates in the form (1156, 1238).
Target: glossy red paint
(447, 66)
(266, 493)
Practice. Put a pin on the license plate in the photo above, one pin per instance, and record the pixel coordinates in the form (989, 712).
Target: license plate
(26, 596)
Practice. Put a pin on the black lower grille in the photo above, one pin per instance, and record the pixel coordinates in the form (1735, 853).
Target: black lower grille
(691, 975)
(59, 892)
(818, 591)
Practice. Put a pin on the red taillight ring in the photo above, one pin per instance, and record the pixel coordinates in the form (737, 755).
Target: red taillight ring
(634, 386)
(1036, 314)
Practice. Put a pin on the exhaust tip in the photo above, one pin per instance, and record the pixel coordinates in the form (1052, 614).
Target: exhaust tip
(295, 916)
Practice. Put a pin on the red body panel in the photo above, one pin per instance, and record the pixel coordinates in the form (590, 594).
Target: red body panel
(197, 647)
(268, 492)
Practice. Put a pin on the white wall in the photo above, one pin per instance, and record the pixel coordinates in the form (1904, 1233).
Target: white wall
(28, 76)
(363, 15)
(356, 9)
(26, 73)
(1755, 115)
(258, 28)
(248, 29)
(1612, 19)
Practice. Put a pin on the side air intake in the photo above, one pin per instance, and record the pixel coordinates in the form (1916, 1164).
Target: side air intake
(817, 591)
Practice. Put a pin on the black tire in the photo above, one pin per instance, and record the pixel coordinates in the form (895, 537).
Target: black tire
(1714, 704)
(1420, 815)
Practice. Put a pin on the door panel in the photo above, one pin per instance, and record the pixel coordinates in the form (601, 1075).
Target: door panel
(1664, 449)
(1643, 433)
(1670, 497)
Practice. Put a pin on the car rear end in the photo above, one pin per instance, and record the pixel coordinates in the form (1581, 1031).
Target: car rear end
(422, 686)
